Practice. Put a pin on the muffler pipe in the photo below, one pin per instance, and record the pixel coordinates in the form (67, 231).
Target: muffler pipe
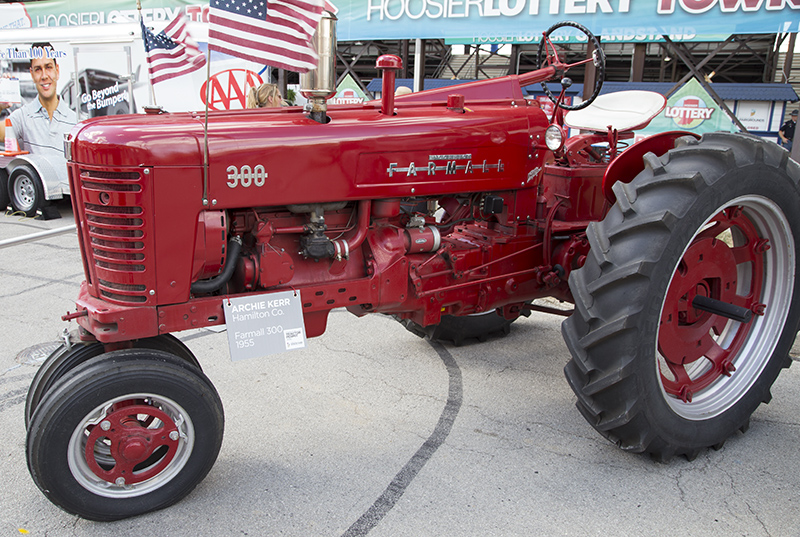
(318, 85)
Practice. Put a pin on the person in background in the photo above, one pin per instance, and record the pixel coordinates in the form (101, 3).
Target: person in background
(786, 134)
(402, 90)
(264, 96)
(40, 125)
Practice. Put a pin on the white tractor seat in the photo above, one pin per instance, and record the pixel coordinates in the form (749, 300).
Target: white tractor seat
(621, 110)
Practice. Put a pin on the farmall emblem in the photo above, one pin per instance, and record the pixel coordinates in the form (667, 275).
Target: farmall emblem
(229, 89)
(447, 164)
(689, 112)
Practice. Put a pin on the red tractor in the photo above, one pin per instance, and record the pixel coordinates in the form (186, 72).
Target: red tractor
(451, 210)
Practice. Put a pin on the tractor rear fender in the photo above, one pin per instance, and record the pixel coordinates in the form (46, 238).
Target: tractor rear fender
(629, 163)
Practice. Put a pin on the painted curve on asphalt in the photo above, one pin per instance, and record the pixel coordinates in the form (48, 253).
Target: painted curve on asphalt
(394, 491)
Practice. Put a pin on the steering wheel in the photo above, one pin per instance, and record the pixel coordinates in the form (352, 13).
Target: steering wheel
(548, 56)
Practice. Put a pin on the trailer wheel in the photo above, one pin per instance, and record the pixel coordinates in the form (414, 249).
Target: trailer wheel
(25, 190)
(458, 329)
(64, 359)
(125, 433)
(716, 219)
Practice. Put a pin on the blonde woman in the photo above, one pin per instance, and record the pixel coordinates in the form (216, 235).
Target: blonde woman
(264, 96)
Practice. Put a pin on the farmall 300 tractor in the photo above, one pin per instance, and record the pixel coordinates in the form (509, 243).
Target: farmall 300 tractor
(451, 210)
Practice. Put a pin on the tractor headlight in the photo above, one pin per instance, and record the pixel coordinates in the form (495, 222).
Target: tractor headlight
(554, 138)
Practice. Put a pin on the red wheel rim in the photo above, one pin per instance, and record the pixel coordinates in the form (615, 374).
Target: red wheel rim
(690, 340)
(139, 450)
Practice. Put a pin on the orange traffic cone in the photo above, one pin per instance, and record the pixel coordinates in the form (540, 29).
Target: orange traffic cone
(11, 142)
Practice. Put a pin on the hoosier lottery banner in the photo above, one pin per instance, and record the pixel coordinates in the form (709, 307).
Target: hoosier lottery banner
(463, 21)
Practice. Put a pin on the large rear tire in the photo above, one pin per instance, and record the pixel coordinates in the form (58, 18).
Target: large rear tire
(715, 218)
(125, 433)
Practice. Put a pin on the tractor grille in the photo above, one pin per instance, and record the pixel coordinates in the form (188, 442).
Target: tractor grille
(117, 241)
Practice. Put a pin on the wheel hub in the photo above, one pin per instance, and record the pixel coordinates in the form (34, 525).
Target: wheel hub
(24, 192)
(693, 315)
(134, 448)
(707, 269)
(138, 452)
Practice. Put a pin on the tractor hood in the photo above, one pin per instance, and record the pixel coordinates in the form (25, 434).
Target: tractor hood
(284, 157)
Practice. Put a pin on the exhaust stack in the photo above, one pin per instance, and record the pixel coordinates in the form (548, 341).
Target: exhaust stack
(318, 85)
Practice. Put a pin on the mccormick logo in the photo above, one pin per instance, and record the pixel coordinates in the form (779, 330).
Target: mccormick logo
(689, 112)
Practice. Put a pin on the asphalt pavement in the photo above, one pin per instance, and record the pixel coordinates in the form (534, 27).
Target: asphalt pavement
(373, 431)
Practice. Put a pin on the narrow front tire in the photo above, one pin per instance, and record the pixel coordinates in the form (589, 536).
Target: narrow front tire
(125, 433)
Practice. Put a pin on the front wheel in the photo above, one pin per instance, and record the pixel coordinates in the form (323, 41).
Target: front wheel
(125, 433)
(687, 305)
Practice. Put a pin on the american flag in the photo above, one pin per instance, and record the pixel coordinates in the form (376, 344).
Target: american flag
(172, 52)
(275, 32)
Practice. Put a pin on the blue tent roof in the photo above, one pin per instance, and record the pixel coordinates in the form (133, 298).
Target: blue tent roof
(727, 91)
(429, 83)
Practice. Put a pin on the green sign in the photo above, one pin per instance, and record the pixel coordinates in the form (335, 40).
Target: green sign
(348, 92)
(692, 109)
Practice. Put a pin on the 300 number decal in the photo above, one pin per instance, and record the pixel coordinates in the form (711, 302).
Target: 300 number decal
(247, 176)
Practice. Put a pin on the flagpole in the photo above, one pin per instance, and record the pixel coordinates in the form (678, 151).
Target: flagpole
(205, 130)
(149, 78)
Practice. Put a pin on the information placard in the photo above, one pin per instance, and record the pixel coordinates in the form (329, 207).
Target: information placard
(264, 324)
